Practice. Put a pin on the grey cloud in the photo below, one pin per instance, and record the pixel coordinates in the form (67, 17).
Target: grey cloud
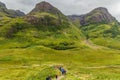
(25, 2)
(68, 6)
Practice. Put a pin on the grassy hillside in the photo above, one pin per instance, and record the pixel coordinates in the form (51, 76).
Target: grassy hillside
(20, 33)
(37, 62)
(103, 34)
(31, 52)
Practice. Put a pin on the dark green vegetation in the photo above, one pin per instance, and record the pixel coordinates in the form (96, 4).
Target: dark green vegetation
(31, 46)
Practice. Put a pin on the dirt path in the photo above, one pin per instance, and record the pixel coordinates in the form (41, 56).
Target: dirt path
(91, 45)
(60, 77)
(100, 67)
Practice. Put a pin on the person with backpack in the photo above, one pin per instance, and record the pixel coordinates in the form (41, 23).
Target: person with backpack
(63, 71)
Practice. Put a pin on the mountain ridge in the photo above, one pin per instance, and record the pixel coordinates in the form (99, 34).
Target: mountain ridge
(98, 15)
(45, 13)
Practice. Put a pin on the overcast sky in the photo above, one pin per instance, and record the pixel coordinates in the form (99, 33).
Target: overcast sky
(68, 6)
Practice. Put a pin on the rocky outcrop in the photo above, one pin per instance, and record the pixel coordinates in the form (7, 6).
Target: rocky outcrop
(45, 7)
(46, 14)
(98, 15)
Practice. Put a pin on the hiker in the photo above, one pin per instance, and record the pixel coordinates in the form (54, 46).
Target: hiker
(62, 70)
(48, 78)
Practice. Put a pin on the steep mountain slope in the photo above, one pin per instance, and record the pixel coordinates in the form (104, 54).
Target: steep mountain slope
(46, 14)
(100, 27)
(4, 12)
(44, 25)
(45, 7)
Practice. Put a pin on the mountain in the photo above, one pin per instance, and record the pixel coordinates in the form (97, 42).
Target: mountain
(45, 7)
(9, 12)
(99, 26)
(44, 13)
(45, 25)
(98, 15)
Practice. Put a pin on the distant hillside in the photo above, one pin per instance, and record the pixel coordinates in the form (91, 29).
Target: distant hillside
(9, 12)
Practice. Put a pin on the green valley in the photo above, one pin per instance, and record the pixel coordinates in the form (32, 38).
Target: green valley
(33, 45)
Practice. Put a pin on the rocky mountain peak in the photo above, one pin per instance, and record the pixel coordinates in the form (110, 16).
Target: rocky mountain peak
(45, 12)
(102, 9)
(98, 15)
(45, 7)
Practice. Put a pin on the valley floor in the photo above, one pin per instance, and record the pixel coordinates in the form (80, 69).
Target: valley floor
(38, 62)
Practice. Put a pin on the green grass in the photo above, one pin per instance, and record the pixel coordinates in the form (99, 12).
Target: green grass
(32, 51)
(103, 34)
(37, 62)
(34, 56)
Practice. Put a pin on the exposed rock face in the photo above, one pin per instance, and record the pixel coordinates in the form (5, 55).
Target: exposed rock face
(98, 15)
(46, 20)
(45, 7)
(46, 14)
(10, 12)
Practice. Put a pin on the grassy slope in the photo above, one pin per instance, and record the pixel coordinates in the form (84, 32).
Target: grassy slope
(37, 62)
(33, 56)
(18, 33)
(103, 34)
